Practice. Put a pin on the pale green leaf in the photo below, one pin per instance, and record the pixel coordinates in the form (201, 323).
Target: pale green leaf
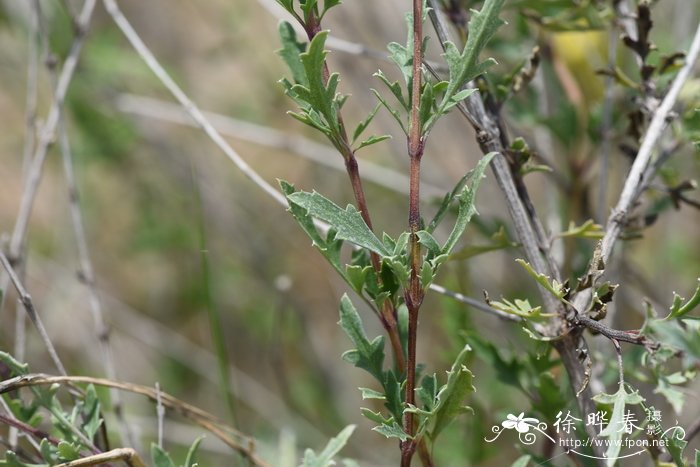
(325, 457)
(348, 222)
(392, 431)
(191, 459)
(367, 355)
(467, 203)
(160, 457)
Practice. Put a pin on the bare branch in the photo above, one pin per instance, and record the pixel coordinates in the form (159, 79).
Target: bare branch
(26, 300)
(631, 189)
(307, 148)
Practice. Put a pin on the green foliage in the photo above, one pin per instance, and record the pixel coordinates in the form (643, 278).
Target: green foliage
(680, 309)
(464, 66)
(441, 407)
(613, 431)
(550, 285)
(325, 457)
(366, 355)
(348, 222)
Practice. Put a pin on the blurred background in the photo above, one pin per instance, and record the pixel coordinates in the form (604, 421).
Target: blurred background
(178, 235)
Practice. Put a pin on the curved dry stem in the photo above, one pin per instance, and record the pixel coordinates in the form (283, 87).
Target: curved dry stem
(236, 440)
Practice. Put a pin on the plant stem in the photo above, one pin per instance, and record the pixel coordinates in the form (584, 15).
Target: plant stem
(414, 294)
(387, 314)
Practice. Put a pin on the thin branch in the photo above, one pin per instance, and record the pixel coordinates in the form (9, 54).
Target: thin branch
(630, 191)
(632, 337)
(189, 106)
(31, 312)
(129, 456)
(307, 148)
(86, 274)
(48, 133)
(474, 303)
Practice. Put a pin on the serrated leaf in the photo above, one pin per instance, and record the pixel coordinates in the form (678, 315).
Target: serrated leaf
(348, 222)
(467, 203)
(368, 393)
(392, 431)
(521, 308)
(394, 395)
(67, 451)
(367, 355)
(427, 392)
(375, 417)
(160, 457)
(552, 286)
(357, 276)
(330, 246)
(91, 413)
(428, 241)
(464, 66)
(191, 459)
(450, 398)
(290, 51)
(325, 457)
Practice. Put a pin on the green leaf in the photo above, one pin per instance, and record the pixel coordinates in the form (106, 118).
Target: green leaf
(553, 287)
(395, 89)
(160, 457)
(291, 50)
(371, 394)
(394, 395)
(321, 94)
(330, 246)
(448, 401)
(374, 139)
(520, 308)
(588, 229)
(16, 367)
(191, 459)
(327, 5)
(394, 113)
(325, 457)
(393, 430)
(91, 413)
(678, 309)
(68, 451)
(464, 66)
(366, 355)
(613, 429)
(347, 222)
(467, 203)
(287, 5)
(362, 126)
